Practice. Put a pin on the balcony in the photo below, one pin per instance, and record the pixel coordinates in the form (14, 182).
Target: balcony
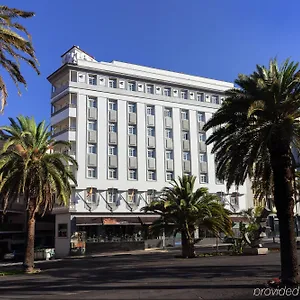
(60, 85)
(66, 150)
(68, 111)
(65, 130)
(64, 108)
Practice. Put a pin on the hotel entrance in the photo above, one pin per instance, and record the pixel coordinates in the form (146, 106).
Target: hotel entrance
(106, 234)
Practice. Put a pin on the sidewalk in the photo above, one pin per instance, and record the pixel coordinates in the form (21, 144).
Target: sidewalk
(108, 254)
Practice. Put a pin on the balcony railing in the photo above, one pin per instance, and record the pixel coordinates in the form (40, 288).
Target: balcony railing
(59, 89)
(59, 131)
(63, 108)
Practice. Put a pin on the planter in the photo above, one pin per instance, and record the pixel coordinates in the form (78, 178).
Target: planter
(256, 251)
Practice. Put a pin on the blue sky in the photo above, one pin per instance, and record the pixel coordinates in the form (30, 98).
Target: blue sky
(216, 38)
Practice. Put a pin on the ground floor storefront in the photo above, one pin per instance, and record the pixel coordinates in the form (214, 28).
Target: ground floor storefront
(79, 234)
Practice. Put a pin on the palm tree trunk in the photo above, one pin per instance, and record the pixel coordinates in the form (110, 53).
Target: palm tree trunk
(187, 245)
(284, 201)
(28, 264)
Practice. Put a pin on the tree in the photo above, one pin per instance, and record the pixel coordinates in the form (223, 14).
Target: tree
(13, 46)
(29, 168)
(185, 209)
(255, 130)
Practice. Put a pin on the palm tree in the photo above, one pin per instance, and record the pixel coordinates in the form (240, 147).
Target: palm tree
(13, 46)
(29, 168)
(185, 209)
(256, 128)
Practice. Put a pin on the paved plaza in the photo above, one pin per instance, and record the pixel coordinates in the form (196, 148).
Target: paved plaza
(145, 275)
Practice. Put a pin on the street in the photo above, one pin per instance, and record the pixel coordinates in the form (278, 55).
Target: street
(145, 276)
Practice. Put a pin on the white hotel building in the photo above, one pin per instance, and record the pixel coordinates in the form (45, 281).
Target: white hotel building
(132, 130)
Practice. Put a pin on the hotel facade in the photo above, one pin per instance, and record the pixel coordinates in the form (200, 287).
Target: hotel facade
(132, 130)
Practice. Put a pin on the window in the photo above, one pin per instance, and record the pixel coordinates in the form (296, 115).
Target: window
(200, 97)
(185, 135)
(131, 195)
(151, 131)
(92, 79)
(112, 127)
(150, 88)
(184, 115)
(169, 154)
(169, 176)
(112, 150)
(184, 94)
(112, 105)
(73, 76)
(151, 153)
(62, 230)
(92, 148)
(91, 172)
(219, 181)
(215, 99)
(203, 178)
(150, 110)
(92, 101)
(151, 175)
(112, 195)
(202, 137)
(151, 194)
(73, 99)
(167, 92)
(132, 174)
(169, 133)
(132, 152)
(234, 199)
(91, 195)
(131, 107)
(131, 129)
(92, 125)
(132, 86)
(202, 157)
(201, 117)
(186, 155)
(168, 112)
(112, 83)
(112, 173)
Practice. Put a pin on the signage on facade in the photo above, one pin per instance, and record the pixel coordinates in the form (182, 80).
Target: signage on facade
(110, 221)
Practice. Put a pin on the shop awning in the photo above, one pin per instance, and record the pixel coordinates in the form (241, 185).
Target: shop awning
(85, 221)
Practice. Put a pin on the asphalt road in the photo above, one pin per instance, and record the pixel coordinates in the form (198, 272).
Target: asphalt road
(146, 276)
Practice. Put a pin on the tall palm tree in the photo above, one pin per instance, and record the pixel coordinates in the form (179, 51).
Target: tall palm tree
(29, 168)
(185, 208)
(256, 128)
(13, 46)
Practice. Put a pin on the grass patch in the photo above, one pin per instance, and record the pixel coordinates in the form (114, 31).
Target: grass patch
(11, 272)
(18, 272)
